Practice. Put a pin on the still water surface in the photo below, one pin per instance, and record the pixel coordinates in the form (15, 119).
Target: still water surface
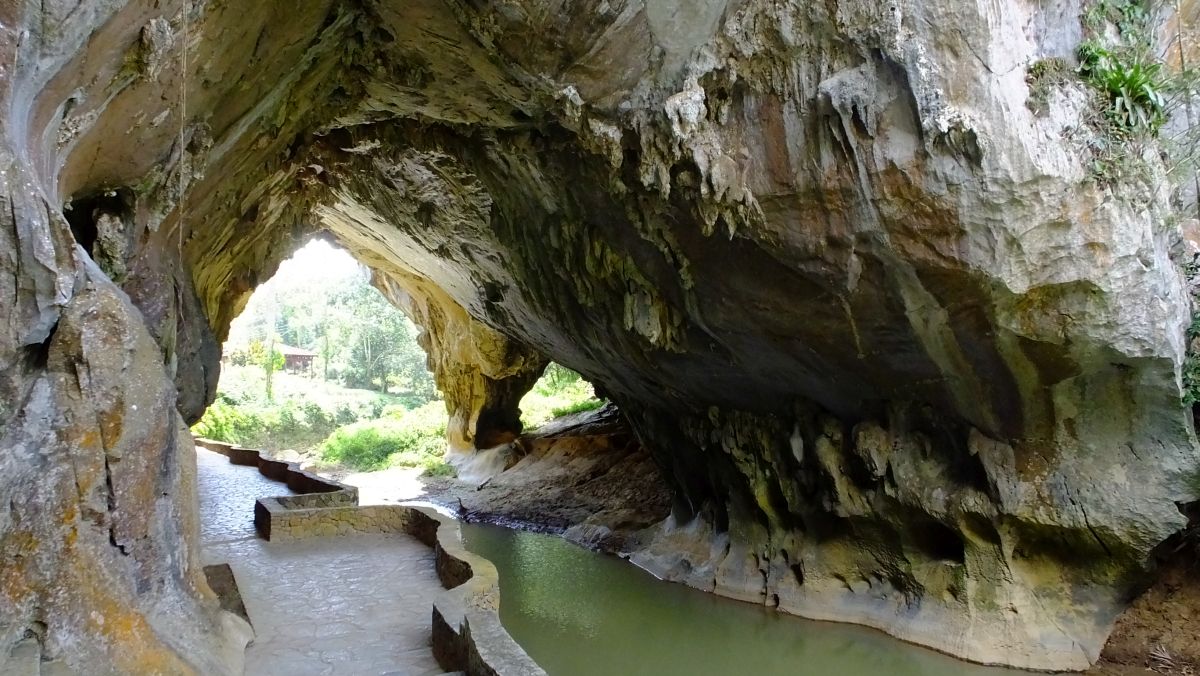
(579, 613)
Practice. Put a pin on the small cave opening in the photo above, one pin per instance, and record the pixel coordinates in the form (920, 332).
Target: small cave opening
(83, 214)
(936, 541)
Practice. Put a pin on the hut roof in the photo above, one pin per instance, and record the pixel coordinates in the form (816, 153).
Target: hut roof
(289, 351)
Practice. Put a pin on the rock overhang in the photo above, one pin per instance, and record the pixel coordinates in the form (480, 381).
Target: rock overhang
(777, 235)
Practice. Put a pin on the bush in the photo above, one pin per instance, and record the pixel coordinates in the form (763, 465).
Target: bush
(345, 415)
(414, 438)
(224, 422)
(287, 416)
(316, 416)
(377, 406)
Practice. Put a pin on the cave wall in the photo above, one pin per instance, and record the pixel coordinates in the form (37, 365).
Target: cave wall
(99, 562)
(903, 362)
(481, 373)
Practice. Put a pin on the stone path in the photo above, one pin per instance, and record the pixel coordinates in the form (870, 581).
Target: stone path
(354, 605)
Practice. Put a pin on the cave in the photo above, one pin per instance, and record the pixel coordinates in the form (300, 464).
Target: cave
(867, 311)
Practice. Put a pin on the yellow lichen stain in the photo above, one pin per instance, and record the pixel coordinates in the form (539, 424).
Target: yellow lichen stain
(129, 638)
(69, 514)
(111, 425)
(131, 641)
(17, 548)
(89, 439)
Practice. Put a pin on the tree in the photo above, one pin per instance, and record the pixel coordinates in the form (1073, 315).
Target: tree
(376, 329)
(269, 359)
(360, 337)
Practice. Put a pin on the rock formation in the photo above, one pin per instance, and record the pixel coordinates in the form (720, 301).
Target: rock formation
(903, 363)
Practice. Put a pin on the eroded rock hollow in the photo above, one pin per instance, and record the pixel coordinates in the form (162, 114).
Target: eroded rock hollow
(901, 361)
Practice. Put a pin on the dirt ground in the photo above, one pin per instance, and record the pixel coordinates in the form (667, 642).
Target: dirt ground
(1160, 632)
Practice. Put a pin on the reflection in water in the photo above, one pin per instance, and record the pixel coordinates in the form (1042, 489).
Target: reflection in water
(578, 613)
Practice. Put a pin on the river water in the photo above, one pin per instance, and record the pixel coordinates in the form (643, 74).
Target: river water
(580, 613)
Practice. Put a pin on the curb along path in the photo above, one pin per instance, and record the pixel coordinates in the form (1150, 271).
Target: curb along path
(347, 589)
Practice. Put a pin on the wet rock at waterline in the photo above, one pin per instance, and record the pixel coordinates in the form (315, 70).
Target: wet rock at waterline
(900, 361)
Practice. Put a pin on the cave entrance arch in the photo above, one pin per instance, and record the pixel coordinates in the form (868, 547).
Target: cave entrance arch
(315, 348)
(397, 326)
(764, 280)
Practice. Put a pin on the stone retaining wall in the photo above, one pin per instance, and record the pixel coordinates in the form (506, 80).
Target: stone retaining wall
(277, 522)
(467, 634)
(314, 490)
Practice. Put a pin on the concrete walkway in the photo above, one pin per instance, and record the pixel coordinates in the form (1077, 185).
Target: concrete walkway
(355, 605)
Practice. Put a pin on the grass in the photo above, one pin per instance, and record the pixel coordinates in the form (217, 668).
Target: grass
(361, 429)
(415, 438)
(302, 414)
(589, 404)
(557, 393)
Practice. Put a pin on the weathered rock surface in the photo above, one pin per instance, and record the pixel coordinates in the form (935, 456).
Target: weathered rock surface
(583, 476)
(901, 362)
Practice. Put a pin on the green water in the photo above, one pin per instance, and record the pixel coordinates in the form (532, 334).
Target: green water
(579, 613)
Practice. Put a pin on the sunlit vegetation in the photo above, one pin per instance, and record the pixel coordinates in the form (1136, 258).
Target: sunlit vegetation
(400, 438)
(363, 399)
(560, 391)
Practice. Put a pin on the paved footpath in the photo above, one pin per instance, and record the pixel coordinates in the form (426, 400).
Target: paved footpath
(357, 605)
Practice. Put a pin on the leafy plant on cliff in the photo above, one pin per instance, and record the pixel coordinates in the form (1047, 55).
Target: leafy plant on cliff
(1043, 78)
(1133, 87)
(1191, 366)
(1130, 85)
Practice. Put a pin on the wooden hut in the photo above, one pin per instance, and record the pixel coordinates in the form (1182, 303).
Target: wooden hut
(297, 360)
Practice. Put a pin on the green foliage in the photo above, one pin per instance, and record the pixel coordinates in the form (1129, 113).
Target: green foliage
(1043, 77)
(222, 422)
(1131, 18)
(367, 350)
(439, 468)
(560, 391)
(414, 438)
(328, 305)
(238, 357)
(269, 359)
(576, 407)
(1134, 87)
(302, 413)
(1191, 367)
(345, 415)
(315, 416)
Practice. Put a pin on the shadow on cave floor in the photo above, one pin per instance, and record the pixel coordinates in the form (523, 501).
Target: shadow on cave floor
(330, 605)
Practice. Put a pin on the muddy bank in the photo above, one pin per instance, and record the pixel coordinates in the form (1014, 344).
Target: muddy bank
(1160, 633)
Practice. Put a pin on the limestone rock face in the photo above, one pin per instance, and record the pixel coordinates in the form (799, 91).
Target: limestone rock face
(902, 362)
(481, 373)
